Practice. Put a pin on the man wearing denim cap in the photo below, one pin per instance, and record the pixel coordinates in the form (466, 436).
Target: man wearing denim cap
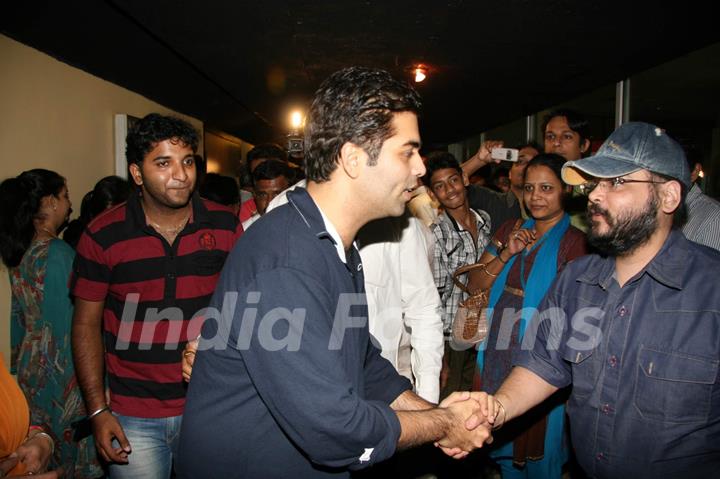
(636, 330)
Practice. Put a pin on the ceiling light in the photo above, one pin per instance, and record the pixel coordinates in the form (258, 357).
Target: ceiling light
(296, 120)
(420, 73)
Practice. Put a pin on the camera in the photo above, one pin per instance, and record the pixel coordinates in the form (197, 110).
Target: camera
(504, 154)
(295, 144)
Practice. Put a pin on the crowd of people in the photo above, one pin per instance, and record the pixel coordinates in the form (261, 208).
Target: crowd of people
(184, 327)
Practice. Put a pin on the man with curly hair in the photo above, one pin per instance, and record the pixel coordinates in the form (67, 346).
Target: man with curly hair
(143, 272)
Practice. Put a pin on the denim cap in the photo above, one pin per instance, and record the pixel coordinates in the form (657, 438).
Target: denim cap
(632, 147)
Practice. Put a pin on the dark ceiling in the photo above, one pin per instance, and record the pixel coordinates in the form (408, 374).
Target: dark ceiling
(240, 66)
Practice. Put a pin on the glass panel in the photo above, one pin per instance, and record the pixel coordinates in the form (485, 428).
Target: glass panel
(683, 97)
(513, 134)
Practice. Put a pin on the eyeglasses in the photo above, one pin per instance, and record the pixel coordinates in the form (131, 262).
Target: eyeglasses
(610, 184)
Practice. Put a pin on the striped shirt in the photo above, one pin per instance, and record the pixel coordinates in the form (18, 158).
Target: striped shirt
(152, 291)
(703, 221)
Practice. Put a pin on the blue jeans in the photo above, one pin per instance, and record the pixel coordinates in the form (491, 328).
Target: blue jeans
(154, 443)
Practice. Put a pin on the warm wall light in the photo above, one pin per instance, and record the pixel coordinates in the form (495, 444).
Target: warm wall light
(296, 120)
(420, 73)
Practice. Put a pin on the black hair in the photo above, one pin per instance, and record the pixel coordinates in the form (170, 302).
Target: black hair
(575, 120)
(354, 105)
(439, 160)
(220, 189)
(531, 144)
(109, 191)
(271, 169)
(267, 151)
(552, 160)
(497, 173)
(154, 128)
(21, 198)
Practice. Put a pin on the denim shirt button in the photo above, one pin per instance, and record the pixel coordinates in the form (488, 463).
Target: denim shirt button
(623, 311)
(606, 409)
(600, 456)
(613, 361)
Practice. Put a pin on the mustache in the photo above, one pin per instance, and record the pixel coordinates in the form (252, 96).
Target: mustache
(594, 209)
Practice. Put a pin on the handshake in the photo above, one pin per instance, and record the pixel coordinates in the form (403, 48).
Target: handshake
(473, 417)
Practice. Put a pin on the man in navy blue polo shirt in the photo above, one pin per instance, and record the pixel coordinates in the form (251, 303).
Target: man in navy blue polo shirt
(287, 382)
(636, 332)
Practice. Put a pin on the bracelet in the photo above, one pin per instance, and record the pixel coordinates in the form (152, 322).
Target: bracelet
(99, 411)
(499, 256)
(498, 426)
(36, 428)
(485, 270)
(46, 435)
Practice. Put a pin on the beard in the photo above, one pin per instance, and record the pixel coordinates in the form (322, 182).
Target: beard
(627, 231)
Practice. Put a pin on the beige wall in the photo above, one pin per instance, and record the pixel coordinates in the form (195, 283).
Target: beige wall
(57, 117)
(224, 153)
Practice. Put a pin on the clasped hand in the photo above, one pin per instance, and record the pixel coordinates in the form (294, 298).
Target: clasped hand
(474, 415)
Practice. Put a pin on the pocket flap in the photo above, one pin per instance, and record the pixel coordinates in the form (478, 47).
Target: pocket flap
(575, 356)
(680, 367)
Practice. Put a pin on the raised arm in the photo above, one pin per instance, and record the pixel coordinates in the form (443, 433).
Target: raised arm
(481, 157)
(495, 258)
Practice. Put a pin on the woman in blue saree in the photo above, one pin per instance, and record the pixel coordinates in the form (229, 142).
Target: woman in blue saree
(520, 265)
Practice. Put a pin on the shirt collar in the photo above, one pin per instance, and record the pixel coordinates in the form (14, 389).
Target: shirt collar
(669, 266)
(693, 194)
(316, 220)
(479, 221)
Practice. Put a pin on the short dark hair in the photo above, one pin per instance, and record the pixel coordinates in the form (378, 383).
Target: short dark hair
(220, 189)
(271, 169)
(154, 128)
(108, 191)
(531, 144)
(552, 160)
(21, 198)
(354, 105)
(268, 151)
(575, 120)
(439, 160)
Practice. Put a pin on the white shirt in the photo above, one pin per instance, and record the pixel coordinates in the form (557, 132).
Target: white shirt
(246, 224)
(402, 298)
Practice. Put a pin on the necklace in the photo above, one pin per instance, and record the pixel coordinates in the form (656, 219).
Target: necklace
(52, 235)
(172, 230)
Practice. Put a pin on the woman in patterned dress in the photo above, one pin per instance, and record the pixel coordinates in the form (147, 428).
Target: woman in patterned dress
(35, 205)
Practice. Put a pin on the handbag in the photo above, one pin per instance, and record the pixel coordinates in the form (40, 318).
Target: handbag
(470, 324)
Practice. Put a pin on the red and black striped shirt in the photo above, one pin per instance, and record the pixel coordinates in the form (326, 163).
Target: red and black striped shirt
(152, 290)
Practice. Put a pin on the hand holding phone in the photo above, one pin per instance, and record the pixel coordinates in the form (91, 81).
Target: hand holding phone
(504, 154)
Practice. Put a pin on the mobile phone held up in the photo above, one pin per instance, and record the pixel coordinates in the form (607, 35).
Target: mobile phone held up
(504, 154)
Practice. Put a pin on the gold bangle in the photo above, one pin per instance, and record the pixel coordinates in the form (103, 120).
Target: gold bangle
(485, 270)
(498, 426)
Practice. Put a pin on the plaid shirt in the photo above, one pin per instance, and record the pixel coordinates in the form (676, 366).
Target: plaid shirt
(454, 248)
